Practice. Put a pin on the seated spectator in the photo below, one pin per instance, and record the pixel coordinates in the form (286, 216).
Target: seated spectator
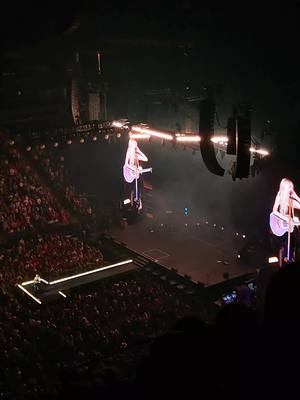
(25, 203)
(53, 165)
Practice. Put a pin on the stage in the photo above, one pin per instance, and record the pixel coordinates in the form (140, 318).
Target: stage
(49, 291)
(206, 253)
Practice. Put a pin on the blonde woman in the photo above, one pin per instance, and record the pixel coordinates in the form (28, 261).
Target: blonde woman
(285, 203)
(286, 197)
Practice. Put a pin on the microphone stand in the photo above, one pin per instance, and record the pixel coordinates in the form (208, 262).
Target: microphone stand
(289, 229)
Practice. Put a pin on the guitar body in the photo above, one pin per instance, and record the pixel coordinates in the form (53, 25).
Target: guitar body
(279, 225)
(130, 174)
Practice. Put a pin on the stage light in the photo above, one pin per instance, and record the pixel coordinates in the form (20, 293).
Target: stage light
(214, 225)
(42, 146)
(259, 151)
(69, 141)
(81, 140)
(55, 144)
(194, 138)
(95, 138)
(139, 135)
(118, 135)
(106, 137)
(11, 142)
(243, 236)
(152, 132)
(222, 228)
(237, 234)
(90, 272)
(117, 124)
(272, 260)
(29, 294)
(28, 148)
(126, 201)
(219, 139)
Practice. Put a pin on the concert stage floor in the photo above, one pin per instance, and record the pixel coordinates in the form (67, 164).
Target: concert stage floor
(205, 253)
(47, 292)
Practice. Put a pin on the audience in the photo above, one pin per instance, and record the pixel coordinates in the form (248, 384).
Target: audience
(25, 202)
(53, 164)
(51, 256)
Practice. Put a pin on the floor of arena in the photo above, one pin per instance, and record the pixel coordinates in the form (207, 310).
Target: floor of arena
(205, 253)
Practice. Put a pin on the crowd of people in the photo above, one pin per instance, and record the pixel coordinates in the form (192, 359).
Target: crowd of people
(53, 164)
(25, 202)
(50, 256)
(133, 336)
(96, 322)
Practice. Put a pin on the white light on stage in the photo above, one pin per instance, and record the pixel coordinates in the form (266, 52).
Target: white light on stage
(94, 138)
(259, 151)
(272, 260)
(118, 124)
(55, 144)
(106, 137)
(126, 201)
(139, 136)
(69, 141)
(42, 146)
(29, 294)
(219, 139)
(90, 272)
(11, 142)
(243, 236)
(81, 140)
(28, 148)
(193, 138)
(152, 132)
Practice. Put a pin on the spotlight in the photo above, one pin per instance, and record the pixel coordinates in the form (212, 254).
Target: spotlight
(69, 141)
(222, 228)
(106, 137)
(28, 148)
(81, 140)
(118, 135)
(243, 236)
(55, 144)
(95, 138)
(42, 146)
(272, 260)
(11, 142)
